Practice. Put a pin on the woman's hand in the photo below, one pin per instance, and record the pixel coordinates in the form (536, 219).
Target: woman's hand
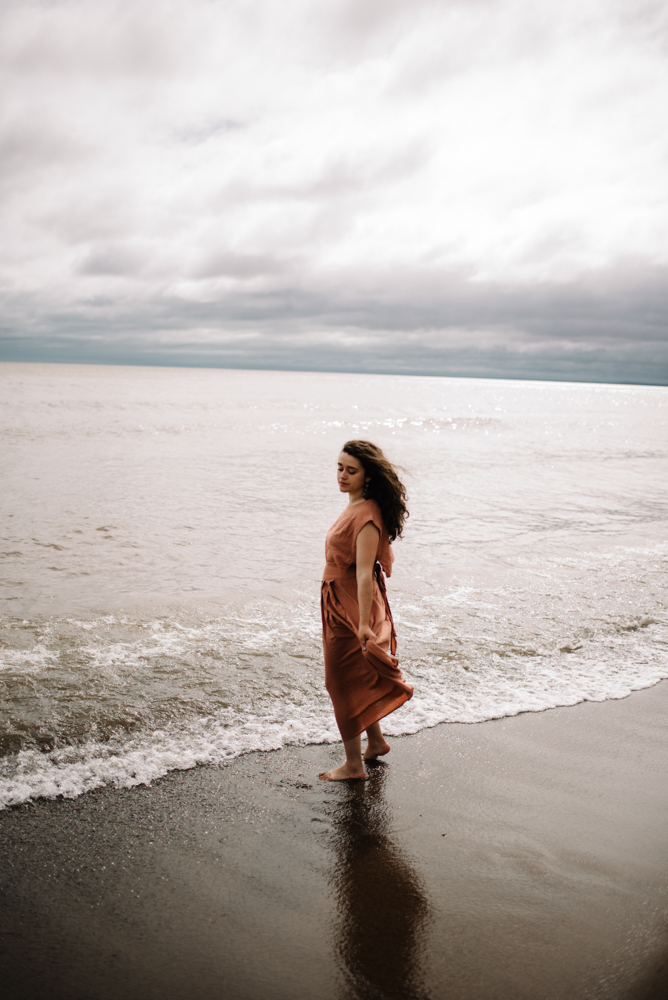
(365, 632)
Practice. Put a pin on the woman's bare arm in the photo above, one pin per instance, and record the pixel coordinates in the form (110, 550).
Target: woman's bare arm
(367, 547)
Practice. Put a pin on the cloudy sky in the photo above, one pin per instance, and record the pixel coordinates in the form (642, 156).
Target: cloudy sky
(473, 187)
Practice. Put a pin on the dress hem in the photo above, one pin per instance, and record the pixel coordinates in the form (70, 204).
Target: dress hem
(374, 713)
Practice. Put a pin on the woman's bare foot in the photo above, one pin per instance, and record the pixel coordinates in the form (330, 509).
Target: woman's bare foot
(344, 773)
(376, 749)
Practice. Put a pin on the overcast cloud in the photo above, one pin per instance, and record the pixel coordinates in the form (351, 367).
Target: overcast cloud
(473, 187)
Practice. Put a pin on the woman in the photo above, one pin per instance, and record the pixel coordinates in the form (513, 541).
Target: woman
(361, 672)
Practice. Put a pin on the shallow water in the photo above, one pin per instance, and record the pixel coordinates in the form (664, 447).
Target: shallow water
(163, 544)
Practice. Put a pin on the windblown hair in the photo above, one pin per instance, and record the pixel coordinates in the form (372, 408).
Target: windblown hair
(384, 485)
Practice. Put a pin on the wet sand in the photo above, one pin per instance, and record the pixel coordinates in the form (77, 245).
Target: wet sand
(520, 858)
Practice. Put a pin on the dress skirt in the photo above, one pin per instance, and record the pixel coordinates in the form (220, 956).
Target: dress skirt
(364, 686)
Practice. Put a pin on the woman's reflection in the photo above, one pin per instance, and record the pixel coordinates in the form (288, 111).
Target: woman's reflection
(382, 907)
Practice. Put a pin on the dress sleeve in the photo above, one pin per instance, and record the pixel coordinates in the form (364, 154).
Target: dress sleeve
(363, 518)
(371, 514)
(385, 555)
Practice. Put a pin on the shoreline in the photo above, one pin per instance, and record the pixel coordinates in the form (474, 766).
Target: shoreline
(523, 857)
(140, 763)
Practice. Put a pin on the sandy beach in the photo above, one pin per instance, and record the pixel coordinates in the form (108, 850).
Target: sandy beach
(524, 857)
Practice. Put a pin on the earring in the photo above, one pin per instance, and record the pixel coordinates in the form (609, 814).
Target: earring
(365, 491)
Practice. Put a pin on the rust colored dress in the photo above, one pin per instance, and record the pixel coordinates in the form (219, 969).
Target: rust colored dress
(364, 686)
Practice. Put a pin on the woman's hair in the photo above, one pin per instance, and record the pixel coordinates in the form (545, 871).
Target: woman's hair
(384, 485)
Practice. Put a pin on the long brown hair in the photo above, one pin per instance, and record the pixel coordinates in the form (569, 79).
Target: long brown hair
(384, 485)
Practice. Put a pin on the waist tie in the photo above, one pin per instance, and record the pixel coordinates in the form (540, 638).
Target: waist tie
(380, 577)
(328, 601)
(333, 572)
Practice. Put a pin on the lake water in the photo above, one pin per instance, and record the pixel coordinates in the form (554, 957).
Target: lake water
(163, 543)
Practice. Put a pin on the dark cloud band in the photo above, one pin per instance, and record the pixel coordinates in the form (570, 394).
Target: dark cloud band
(611, 326)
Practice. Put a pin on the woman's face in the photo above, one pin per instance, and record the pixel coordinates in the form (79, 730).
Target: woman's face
(350, 476)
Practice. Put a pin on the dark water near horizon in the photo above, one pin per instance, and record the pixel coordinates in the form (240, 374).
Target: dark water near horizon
(163, 539)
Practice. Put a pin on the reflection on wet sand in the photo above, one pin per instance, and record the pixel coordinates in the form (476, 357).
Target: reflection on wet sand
(382, 906)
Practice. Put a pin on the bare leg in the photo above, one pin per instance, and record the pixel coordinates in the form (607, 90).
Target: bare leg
(354, 765)
(377, 745)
